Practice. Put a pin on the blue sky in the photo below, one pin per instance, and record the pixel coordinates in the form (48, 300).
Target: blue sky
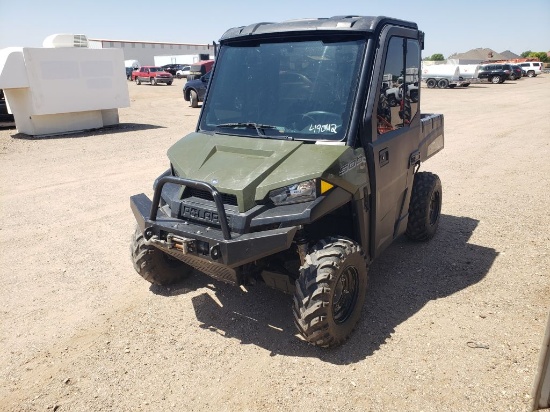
(450, 26)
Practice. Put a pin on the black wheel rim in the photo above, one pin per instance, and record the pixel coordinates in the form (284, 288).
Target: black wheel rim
(435, 207)
(345, 295)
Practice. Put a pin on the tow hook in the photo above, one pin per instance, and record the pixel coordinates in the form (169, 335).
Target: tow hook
(183, 244)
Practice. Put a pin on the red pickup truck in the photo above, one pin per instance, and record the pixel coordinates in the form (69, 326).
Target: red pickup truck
(153, 75)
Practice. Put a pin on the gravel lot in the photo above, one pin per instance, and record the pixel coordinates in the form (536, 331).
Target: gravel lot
(451, 325)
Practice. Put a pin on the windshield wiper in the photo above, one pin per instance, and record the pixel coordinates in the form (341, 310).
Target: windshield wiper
(259, 129)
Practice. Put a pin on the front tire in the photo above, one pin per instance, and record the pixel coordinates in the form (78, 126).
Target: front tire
(153, 81)
(193, 99)
(424, 207)
(330, 292)
(138, 82)
(154, 265)
(496, 80)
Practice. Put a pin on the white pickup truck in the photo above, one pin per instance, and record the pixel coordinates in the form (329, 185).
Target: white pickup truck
(395, 94)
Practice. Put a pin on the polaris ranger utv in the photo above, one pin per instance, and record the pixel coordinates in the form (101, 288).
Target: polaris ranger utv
(299, 172)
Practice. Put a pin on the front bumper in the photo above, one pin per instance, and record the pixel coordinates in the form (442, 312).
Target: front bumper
(204, 246)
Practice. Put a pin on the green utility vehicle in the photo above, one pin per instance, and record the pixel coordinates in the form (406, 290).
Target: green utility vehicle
(299, 172)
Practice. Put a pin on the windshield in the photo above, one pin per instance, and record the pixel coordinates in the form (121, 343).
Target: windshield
(299, 90)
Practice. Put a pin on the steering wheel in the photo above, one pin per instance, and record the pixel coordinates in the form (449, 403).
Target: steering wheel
(320, 116)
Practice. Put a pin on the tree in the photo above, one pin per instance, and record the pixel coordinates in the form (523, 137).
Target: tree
(436, 57)
(542, 56)
(525, 53)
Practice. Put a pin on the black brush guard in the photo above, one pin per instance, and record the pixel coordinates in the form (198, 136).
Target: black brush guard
(208, 249)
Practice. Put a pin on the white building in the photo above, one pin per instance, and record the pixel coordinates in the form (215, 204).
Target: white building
(145, 51)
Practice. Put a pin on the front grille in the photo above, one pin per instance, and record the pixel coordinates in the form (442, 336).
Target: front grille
(227, 199)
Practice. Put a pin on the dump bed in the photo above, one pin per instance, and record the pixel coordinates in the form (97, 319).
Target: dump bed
(432, 139)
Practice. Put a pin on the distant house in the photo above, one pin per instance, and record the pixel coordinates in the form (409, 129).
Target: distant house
(476, 56)
(509, 55)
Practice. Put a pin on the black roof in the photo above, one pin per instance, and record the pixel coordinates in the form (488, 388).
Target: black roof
(347, 24)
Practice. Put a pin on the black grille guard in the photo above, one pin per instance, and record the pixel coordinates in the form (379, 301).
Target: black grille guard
(225, 248)
(196, 185)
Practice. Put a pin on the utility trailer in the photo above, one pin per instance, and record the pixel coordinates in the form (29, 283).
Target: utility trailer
(299, 173)
(444, 76)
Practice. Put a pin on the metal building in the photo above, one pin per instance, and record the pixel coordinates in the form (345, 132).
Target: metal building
(145, 51)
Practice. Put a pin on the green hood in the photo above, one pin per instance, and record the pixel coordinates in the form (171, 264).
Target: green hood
(250, 167)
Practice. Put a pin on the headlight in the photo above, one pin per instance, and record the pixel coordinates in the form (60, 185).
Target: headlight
(295, 193)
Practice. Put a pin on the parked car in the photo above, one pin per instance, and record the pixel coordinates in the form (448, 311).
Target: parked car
(172, 68)
(200, 69)
(195, 90)
(495, 73)
(153, 75)
(531, 68)
(517, 72)
(183, 72)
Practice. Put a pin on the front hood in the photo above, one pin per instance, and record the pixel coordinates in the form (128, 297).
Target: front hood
(249, 167)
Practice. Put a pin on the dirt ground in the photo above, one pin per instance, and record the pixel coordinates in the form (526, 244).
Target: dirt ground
(455, 324)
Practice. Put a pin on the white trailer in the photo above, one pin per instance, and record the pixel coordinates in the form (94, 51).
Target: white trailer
(181, 59)
(134, 64)
(443, 76)
(468, 71)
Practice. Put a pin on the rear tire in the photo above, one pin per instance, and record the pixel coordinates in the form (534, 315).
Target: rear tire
(530, 73)
(424, 207)
(431, 83)
(193, 99)
(330, 292)
(443, 83)
(153, 81)
(154, 265)
(495, 80)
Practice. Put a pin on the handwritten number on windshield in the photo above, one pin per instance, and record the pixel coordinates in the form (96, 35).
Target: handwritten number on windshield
(323, 128)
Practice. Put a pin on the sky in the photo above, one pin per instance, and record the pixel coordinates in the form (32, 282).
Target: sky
(450, 26)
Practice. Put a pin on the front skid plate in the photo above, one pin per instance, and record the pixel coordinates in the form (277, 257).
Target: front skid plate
(212, 269)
